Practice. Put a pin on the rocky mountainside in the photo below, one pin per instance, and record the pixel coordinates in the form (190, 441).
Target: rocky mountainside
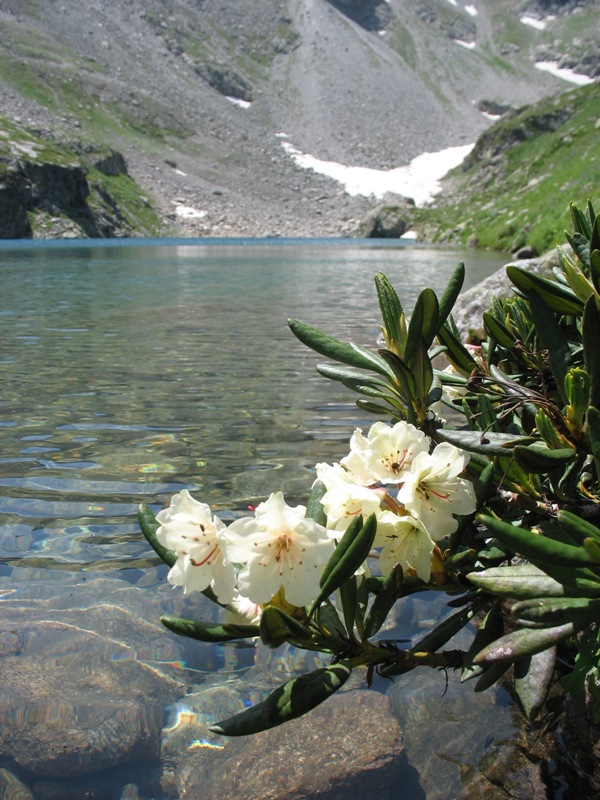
(200, 95)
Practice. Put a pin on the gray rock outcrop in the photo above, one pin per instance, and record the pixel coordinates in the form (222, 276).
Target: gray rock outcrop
(383, 222)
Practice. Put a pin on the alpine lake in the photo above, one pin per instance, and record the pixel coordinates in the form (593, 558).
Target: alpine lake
(132, 369)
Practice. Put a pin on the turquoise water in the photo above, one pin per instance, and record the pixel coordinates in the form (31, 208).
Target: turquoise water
(131, 370)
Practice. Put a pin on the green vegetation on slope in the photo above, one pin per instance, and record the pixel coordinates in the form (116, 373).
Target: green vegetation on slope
(114, 200)
(515, 187)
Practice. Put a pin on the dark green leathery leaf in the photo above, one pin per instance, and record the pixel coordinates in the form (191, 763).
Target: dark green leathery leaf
(209, 631)
(486, 443)
(456, 353)
(451, 293)
(579, 529)
(518, 580)
(391, 310)
(383, 602)
(590, 332)
(547, 611)
(348, 556)
(539, 458)
(277, 626)
(523, 642)
(423, 323)
(293, 699)
(533, 678)
(149, 526)
(489, 629)
(556, 297)
(338, 351)
(536, 547)
(314, 506)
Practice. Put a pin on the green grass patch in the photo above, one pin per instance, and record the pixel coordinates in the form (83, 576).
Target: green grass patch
(518, 191)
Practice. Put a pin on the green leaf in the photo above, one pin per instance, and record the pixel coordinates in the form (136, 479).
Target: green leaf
(595, 268)
(579, 220)
(491, 674)
(579, 529)
(295, 698)
(451, 294)
(533, 678)
(443, 632)
(314, 506)
(277, 626)
(489, 444)
(489, 629)
(209, 631)
(343, 375)
(581, 247)
(375, 408)
(558, 298)
(423, 323)
(548, 611)
(553, 339)
(593, 426)
(422, 370)
(590, 332)
(523, 642)
(456, 353)
(351, 551)
(383, 602)
(391, 308)
(149, 526)
(336, 350)
(498, 331)
(577, 280)
(518, 580)
(540, 459)
(402, 373)
(349, 598)
(537, 548)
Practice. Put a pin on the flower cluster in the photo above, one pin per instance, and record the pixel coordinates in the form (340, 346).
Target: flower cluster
(251, 561)
(413, 488)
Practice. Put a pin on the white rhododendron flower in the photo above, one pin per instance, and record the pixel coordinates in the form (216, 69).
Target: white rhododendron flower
(242, 611)
(279, 548)
(190, 530)
(408, 543)
(345, 498)
(385, 453)
(433, 492)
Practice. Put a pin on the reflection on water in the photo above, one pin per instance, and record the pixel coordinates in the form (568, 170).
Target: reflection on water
(130, 371)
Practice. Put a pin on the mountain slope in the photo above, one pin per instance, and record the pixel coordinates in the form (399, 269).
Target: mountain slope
(196, 94)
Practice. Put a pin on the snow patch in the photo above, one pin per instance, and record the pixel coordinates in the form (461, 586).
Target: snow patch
(533, 22)
(468, 45)
(188, 212)
(420, 179)
(471, 10)
(564, 73)
(493, 117)
(453, 3)
(237, 101)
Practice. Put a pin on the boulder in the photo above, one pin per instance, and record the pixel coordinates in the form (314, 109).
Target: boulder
(75, 701)
(383, 222)
(469, 308)
(350, 746)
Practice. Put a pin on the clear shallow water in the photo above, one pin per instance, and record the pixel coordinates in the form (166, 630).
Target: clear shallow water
(131, 370)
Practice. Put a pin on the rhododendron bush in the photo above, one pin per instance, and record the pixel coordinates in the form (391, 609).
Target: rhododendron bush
(497, 506)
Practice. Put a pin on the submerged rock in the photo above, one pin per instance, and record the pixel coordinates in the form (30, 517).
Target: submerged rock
(350, 746)
(83, 689)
